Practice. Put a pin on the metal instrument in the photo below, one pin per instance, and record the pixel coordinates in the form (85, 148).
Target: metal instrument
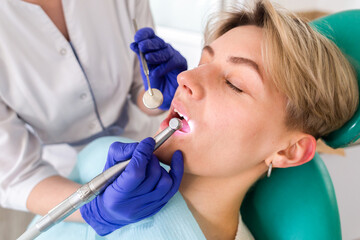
(152, 98)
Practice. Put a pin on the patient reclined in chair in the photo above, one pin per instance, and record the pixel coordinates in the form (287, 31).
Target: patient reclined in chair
(295, 203)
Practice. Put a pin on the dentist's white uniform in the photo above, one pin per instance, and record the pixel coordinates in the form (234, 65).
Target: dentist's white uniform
(50, 95)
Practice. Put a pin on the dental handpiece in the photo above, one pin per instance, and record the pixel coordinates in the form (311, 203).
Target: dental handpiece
(90, 190)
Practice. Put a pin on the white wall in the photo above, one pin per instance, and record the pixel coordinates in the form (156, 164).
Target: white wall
(181, 23)
(344, 172)
(323, 5)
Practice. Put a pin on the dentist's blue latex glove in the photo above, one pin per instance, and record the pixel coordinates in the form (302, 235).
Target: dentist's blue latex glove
(164, 63)
(141, 190)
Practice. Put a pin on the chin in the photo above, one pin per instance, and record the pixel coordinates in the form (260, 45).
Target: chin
(166, 162)
(164, 153)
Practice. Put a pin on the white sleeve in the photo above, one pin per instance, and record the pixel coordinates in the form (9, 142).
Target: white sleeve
(21, 167)
(143, 14)
(139, 10)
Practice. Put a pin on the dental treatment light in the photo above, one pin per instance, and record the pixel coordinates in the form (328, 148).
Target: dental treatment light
(191, 125)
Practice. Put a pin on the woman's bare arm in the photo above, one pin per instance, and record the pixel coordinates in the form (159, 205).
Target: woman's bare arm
(49, 193)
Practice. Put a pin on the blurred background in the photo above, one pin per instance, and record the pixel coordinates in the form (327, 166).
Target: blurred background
(181, 23)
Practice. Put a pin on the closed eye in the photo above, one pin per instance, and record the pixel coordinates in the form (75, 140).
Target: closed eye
(233, 87)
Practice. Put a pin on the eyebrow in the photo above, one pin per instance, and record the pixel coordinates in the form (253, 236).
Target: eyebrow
(237, 60)
(209, 49)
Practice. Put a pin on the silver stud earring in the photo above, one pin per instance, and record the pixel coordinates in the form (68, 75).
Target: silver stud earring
(269, 170)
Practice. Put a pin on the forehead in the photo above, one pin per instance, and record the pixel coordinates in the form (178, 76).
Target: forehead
(245, 41)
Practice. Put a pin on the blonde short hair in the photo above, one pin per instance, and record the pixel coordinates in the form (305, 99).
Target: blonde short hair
(318, 81)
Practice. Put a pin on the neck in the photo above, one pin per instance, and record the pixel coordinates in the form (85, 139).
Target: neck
(43, 2)
(215, 201)
(55, 12)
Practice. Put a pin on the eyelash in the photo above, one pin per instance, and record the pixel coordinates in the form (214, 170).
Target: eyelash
(233, 87)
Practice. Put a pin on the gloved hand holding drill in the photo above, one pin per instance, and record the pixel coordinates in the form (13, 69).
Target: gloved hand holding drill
(139, 192)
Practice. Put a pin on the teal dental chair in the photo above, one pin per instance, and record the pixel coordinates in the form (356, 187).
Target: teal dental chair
(300, 202)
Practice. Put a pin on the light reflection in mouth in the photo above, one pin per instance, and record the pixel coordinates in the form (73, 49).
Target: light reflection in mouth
(186, 123)
(184, 119)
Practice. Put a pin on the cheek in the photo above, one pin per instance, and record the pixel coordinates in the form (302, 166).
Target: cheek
(239, 142)
(229, 138)
(221, 145)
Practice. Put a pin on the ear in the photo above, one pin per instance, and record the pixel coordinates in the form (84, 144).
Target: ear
(298, 153)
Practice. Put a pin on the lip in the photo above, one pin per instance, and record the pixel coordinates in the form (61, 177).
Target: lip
(181, 109)
(176, 105)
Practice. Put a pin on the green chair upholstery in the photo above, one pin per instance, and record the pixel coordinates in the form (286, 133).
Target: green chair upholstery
(300, 202)
(294, 203)
(344, 30)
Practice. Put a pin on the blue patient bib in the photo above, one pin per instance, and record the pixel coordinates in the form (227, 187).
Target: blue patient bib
(173, 221)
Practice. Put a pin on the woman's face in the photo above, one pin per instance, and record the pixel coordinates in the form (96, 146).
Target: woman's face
(235, 116)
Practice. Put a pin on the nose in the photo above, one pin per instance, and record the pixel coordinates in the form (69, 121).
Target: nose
(191, 83)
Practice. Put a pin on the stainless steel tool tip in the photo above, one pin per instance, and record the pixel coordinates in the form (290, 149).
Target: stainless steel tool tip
(175, 124)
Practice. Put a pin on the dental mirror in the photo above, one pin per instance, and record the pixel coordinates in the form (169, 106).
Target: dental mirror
(152, 98)
(152, 101)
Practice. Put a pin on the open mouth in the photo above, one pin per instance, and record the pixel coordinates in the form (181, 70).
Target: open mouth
(184, 119)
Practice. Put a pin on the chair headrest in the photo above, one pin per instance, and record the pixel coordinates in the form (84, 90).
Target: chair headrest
(343, 29)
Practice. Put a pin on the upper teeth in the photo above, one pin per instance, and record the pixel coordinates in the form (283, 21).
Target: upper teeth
(175, 110)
